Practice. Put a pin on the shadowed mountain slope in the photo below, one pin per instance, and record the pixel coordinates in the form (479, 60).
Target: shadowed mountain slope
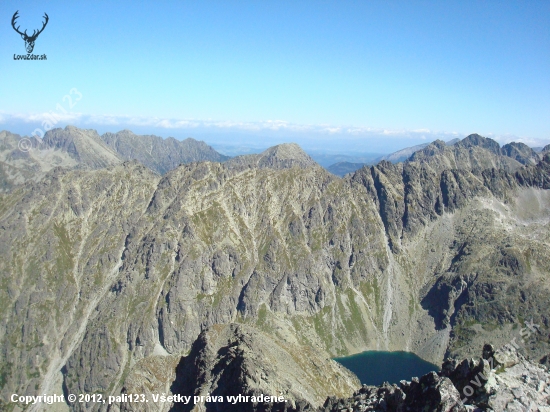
(158, 154)
(520, 152)
(232, 360)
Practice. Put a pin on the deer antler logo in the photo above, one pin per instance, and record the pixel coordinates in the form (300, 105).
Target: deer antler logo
(29, 40)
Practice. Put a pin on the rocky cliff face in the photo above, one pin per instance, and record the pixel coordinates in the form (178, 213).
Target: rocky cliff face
(520, 152)
(158, 154)
(232, 360)
(113, 274)
(474, 153)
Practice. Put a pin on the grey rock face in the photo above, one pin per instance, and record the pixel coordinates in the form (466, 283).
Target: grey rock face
(463, 373)
(53, 302)
(31, 164)
(85, 146)
(429, 393)
(520, 152)
(502, 380)
(474, 153)
(158, 154)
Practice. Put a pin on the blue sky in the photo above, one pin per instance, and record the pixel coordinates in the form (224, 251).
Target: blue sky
(339, 73)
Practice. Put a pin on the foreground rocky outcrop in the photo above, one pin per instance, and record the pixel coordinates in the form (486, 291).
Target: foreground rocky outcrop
(231, 360)
(501, 380)
(429, 393)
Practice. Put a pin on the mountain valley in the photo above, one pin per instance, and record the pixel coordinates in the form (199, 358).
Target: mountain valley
(132, 264)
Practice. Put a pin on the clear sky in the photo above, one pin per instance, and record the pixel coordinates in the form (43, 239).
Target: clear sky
(345, 70)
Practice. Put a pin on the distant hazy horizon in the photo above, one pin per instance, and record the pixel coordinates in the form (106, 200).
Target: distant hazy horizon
(317, 143)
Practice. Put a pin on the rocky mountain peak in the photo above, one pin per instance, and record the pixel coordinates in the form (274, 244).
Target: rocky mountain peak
(8, 140)
(283, 156)
(474, 152)
(287, 153)
(83, 145)
(60, 138)
(520, 152)
(479, 141)
(75, 148)
(436, 147)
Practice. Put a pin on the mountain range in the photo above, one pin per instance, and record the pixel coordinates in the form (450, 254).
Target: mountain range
(247, 276)
(518, 151)
(74, 148)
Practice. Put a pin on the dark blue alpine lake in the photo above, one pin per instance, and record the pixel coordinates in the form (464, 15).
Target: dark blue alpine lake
(376, 367)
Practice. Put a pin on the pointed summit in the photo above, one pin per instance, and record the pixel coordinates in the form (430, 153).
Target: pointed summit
(283, 156)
